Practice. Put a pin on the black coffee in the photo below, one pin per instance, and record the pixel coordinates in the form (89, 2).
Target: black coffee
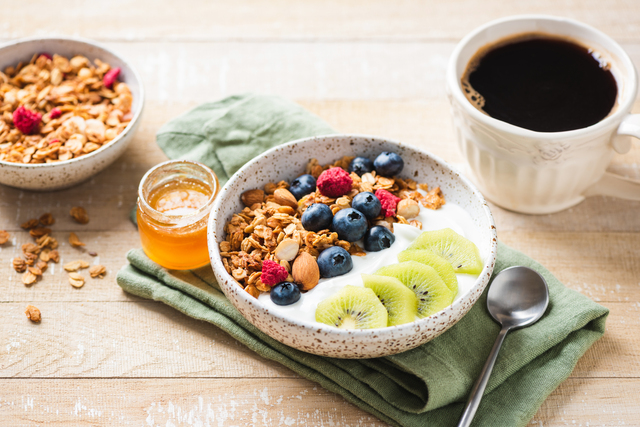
(540, 83)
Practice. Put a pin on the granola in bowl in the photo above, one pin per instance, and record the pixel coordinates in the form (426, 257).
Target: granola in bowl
(69, 108)
(55, 108)
(270, 223)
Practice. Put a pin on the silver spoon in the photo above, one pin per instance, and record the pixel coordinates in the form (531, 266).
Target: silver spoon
(518, 297)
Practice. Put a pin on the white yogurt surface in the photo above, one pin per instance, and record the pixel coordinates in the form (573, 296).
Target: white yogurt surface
(448, 216)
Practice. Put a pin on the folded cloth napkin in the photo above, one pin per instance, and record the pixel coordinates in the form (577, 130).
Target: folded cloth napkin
(426, 386)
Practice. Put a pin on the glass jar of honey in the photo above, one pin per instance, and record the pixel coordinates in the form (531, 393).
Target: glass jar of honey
(174, 201)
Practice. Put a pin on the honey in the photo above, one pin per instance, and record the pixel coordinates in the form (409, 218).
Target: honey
(174, 201)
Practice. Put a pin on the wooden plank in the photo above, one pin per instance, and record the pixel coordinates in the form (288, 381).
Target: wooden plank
(175, 402)
(603, 266)
(315, 19)
(148, 339)
(142, 339)
(237, 402)
(591, 403)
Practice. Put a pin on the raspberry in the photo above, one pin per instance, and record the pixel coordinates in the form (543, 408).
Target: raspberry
(46, 55)
(53, 141)
(272, 273)
(388, 202)
(334, 182)
(25, 120)
(110, 77)
(55, 113)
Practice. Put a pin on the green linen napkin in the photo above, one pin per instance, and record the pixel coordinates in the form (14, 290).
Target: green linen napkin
(426, 386)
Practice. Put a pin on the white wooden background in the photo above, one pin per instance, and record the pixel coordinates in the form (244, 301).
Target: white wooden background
(101, 357)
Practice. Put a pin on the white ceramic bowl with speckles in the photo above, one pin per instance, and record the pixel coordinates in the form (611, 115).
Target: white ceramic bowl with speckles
(287, 162)
(59, 175)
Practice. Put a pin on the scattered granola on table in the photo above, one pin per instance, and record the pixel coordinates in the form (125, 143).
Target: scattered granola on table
(270, 228)
(36, 255)
(4, 237)
(79, 214)
(74, 240)
(76, 280)
(54, 108)
(97, 271)
(33, 314)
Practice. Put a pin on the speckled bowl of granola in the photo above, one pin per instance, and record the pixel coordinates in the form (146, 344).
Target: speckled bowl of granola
(288, 161)
(68, 109)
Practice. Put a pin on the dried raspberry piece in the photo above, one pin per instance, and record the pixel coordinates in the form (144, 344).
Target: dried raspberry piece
(110, 77)
(334, 182)
(55, 113)
(388, 201)
(53, 141)
(46, 55)
(272, 273)
(25, 120)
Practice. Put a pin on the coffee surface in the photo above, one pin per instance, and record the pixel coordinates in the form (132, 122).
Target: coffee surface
(541, 83)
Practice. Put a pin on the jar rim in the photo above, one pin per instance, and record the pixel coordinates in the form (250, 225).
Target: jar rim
(174, 219)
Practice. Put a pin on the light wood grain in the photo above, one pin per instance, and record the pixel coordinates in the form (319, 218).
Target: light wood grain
(174, 402)
(237, 402)
(196, 20)
(78, 340)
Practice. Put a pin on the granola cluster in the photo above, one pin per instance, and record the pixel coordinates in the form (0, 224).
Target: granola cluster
(37, 255)
(270, 227)
(54, 108)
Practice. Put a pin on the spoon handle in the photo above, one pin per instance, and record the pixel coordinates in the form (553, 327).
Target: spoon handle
(481, 383)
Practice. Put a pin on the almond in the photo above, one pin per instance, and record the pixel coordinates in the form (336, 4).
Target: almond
(408, 208)
(285, 198)
(287, 249)
(305, 271)
(251, 197)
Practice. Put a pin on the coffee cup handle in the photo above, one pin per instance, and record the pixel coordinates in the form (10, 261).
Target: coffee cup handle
(616, 185)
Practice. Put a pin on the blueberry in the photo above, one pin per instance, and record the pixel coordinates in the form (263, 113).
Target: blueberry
(360, 165)
(388, 164)
(378, 238)
(334, 261)
(302, 185)
(317, 217)
(285, 293)
(350, 224)
(367, 203)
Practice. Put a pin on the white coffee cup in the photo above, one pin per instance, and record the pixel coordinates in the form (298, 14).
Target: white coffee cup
(544, 172)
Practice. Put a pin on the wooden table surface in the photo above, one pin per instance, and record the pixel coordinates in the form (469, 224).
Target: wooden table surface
(101, 357)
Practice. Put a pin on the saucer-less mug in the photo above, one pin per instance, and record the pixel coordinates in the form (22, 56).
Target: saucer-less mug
(544, 172)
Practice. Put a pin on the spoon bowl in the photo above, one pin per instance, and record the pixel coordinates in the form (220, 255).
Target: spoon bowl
(517, 297)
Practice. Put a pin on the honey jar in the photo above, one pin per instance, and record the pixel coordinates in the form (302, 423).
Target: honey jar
(174, 201)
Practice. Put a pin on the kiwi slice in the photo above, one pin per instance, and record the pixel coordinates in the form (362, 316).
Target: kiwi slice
(439, 264)
(433, 295)
(400, 302)
(461, 253)
(353, 307)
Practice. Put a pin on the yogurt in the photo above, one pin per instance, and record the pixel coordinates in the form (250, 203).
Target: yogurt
(448, 216)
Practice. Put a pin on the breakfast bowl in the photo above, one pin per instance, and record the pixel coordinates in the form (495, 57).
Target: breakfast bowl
(288, 161)
(66, 173)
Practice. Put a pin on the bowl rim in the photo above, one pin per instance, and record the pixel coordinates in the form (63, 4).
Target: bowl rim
(218, 267)
(111, 143)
